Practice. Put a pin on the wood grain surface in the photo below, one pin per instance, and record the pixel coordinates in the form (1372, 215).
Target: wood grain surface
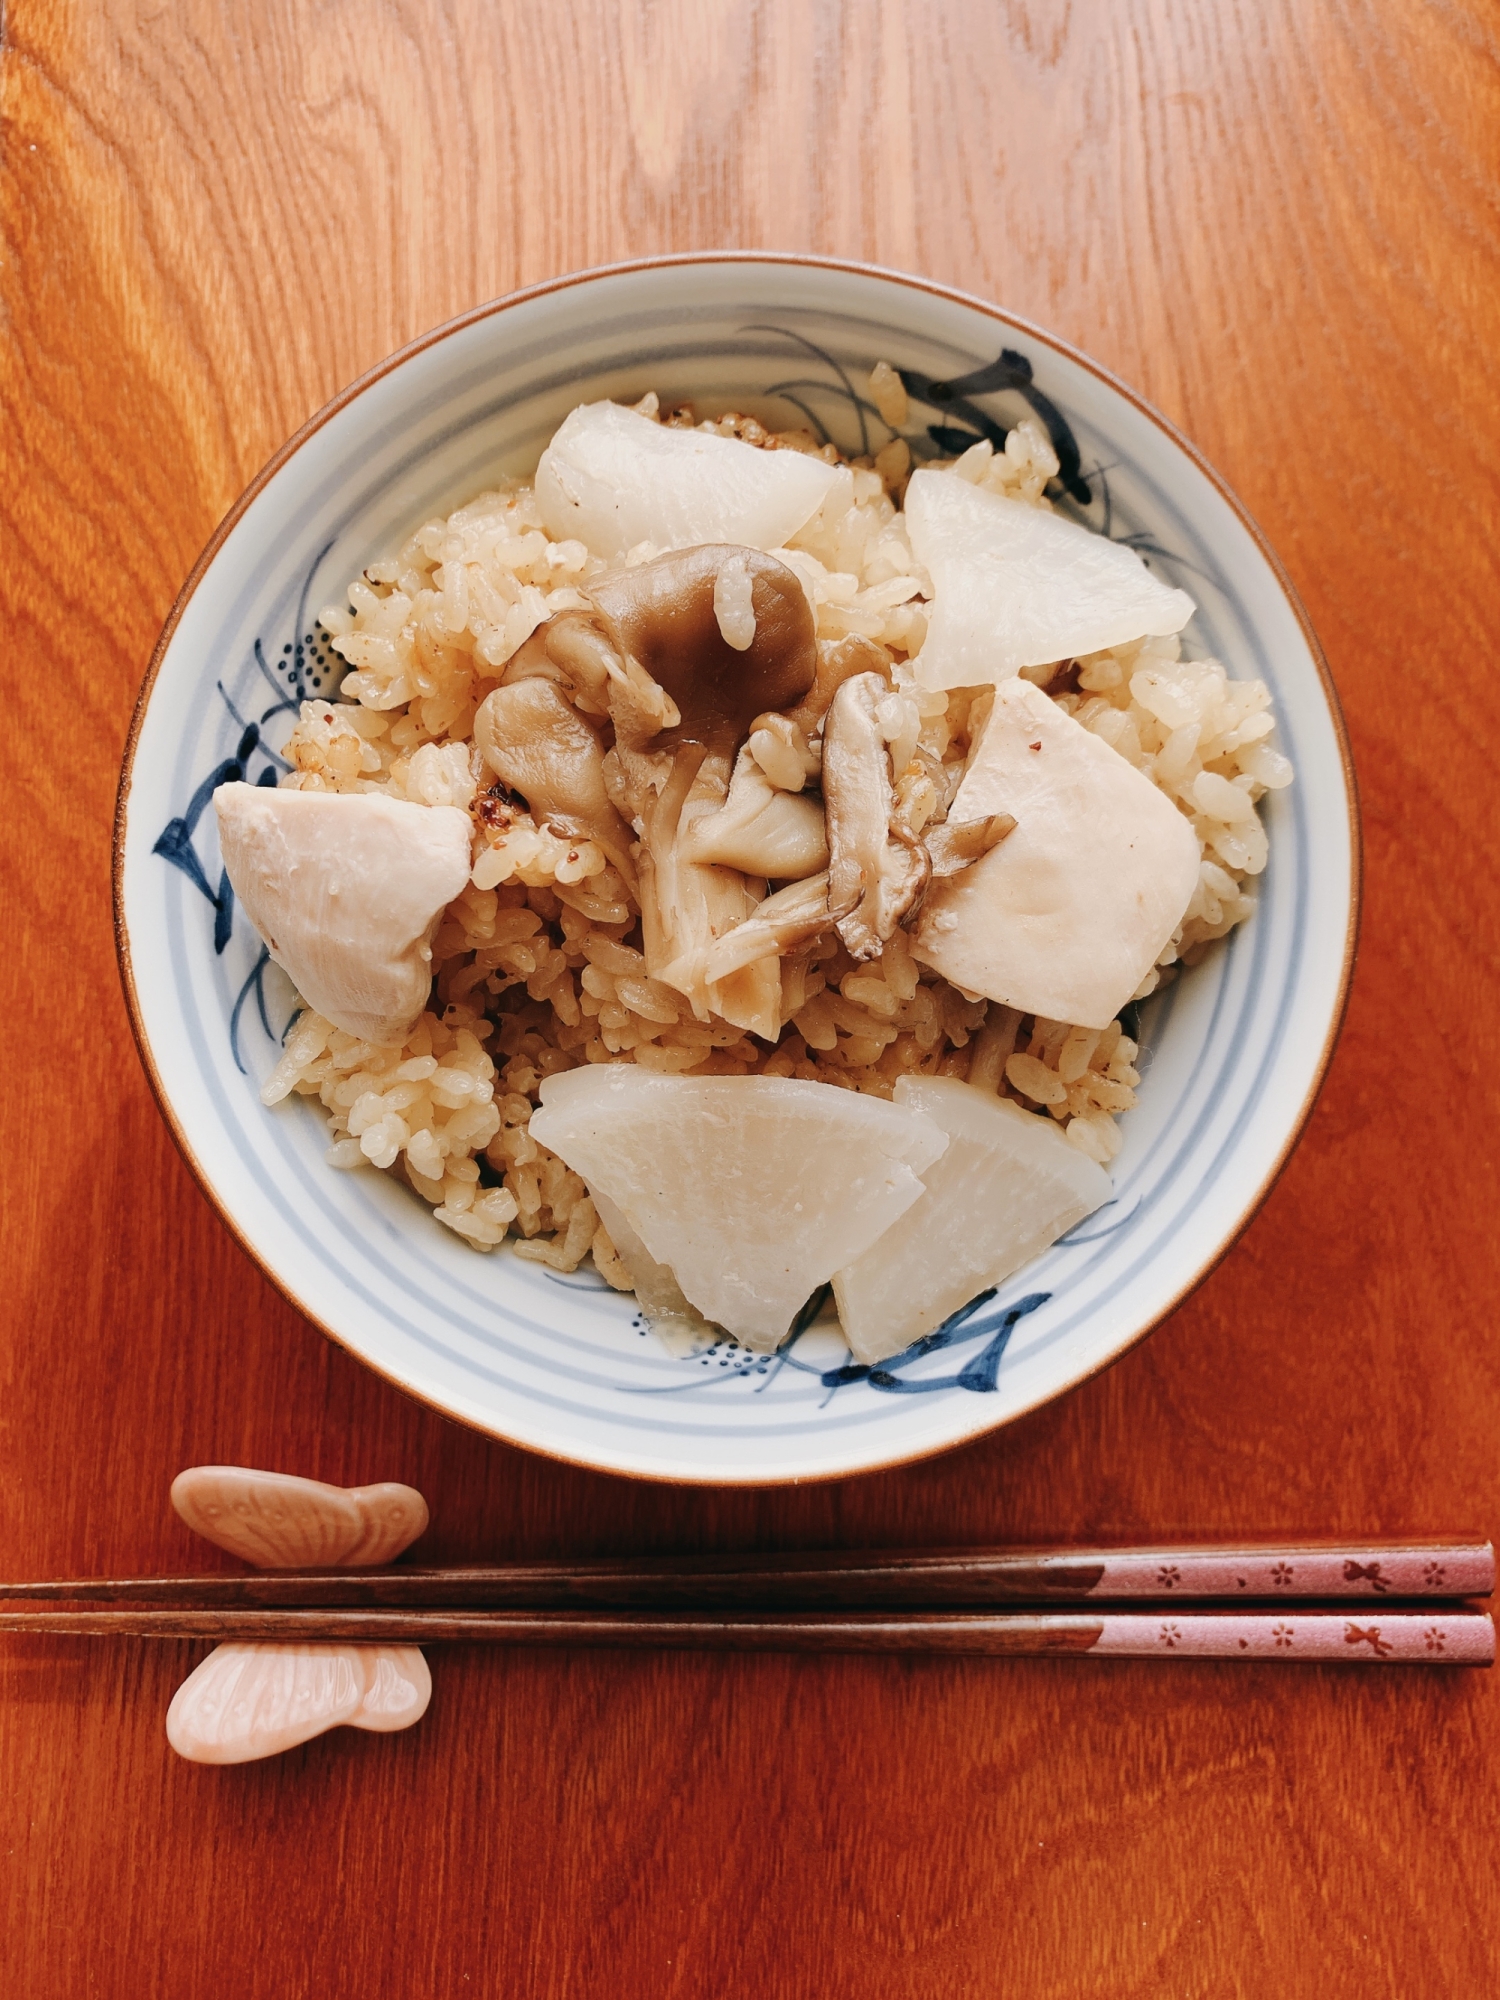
(1278, 219)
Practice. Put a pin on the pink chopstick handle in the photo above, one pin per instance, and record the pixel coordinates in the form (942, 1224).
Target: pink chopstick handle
(1436, 1638)
(1288, 1573)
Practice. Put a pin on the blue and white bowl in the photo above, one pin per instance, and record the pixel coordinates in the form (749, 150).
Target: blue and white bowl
(1234, 1051)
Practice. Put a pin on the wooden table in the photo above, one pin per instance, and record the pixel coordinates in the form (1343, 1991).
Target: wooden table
(1278, 219)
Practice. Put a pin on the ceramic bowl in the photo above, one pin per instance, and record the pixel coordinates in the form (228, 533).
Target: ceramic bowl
(1234, 1050)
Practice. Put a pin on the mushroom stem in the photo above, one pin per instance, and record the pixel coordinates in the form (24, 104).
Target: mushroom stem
(878, 869)
(956, 845)
(686, 906)
(683, 700)
(793, 916)
(838, 661)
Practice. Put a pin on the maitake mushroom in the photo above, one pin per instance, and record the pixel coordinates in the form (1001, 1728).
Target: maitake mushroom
(877, 867)
(536, 742)
(705, 665)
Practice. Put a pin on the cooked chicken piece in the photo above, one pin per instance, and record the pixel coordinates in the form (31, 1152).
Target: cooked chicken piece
(752, 1190)
(613, 479)
(1007, 1187)
(877, 870)
(1016, 586)
(1069, 913)
(346, 889)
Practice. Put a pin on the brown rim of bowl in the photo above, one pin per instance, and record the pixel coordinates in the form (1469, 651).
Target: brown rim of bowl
(1030, 331)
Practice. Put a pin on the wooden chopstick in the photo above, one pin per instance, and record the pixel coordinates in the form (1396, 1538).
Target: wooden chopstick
(842, 1580)
(1435, 1635)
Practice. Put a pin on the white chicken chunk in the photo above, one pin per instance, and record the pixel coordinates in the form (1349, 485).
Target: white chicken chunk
(1007, 1187)
(751, 1190)
(1069, 913)
(346, 889)
(1015, 586)
(613, 479)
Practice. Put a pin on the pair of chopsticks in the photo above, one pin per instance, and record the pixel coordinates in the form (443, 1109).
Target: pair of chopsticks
(1388, 1602)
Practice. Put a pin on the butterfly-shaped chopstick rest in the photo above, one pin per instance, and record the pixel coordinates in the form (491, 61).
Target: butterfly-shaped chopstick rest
(249, 1700)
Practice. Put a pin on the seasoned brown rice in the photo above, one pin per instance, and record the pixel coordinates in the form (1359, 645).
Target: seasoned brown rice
(538, 966)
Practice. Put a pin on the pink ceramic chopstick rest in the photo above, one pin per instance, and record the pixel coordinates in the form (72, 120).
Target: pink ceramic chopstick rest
(277, 1521)
(255, 1700)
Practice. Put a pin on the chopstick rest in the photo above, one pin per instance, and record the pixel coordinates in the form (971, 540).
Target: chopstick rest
(252, 1699)
(256, 1699)
(274, 1520)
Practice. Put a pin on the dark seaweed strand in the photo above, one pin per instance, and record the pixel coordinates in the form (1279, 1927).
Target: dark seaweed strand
(828, 361)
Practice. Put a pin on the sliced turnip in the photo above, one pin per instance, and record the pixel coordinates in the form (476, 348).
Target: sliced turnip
(680, 1326)
(752, 1190)
(1067, 915)
(346, 889)
(1007, 1187)
(1015, 586)
(613, 479)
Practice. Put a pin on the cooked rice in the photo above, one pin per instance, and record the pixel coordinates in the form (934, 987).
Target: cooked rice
(538, 966)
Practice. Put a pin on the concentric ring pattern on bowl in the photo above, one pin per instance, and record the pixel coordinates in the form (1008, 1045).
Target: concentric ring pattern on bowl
(1235, 1050)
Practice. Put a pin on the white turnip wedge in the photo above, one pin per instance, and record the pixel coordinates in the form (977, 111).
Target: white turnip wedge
(752, 1190)
(1008, 1185)
(677, 1324)
(1016, 586)
(612, 479)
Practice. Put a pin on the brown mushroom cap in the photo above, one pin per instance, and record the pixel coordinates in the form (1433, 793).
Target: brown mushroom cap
(839, 660)
(662, 614)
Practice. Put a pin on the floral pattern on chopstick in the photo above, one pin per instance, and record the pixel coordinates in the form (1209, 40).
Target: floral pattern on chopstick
(1356, 1635)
